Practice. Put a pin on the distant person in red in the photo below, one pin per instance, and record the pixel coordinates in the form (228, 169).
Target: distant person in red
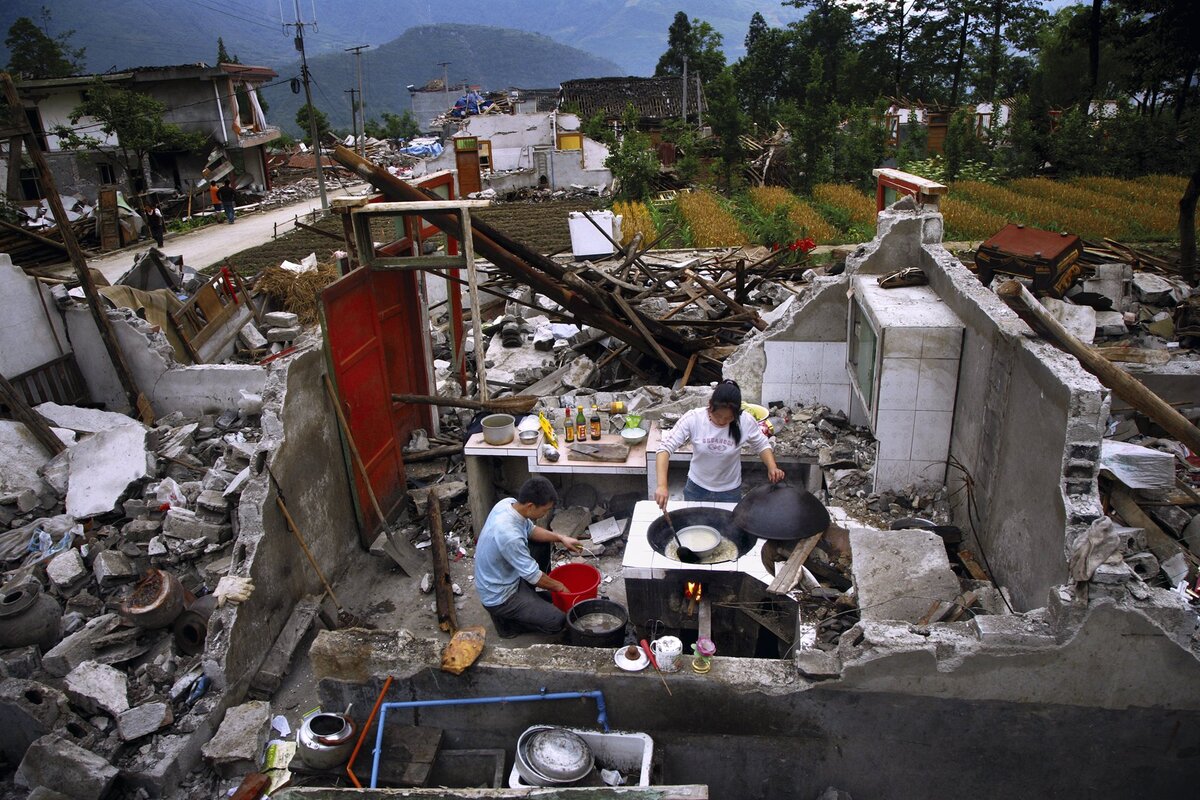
(227, 195)
(213, 189)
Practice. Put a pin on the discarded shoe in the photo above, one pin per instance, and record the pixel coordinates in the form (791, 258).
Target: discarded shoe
(909, 276)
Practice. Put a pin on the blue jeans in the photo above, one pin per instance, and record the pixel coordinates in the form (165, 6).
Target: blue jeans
(699, 494)
(228, 211)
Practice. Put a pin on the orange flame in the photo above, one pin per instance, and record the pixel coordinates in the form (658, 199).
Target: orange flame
(693, 590)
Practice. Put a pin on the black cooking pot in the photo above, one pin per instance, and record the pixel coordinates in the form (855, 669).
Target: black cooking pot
(781, 512)
(607, 623)
(659, 533)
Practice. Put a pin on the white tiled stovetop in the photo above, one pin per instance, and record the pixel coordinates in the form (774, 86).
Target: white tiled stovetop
(642, 561)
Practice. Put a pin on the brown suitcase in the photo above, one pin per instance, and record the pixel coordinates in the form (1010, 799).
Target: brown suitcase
(1050, 260)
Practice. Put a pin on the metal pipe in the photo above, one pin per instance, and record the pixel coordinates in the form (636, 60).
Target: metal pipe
(596, 694)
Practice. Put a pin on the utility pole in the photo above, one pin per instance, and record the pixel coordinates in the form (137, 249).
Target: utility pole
(354, 116)
(312, 115)
(685, 88)
(445, 80)
(699, 104)
(362, 98)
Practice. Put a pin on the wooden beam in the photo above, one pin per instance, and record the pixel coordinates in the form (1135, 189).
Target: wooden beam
(137, 400)
(36, 423)
(1127, 387)
(755, 319)
(789, 576)
(443, 587)
(36, 237)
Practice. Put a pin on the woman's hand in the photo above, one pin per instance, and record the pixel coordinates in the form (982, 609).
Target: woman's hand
(660, 496)
(775, 475)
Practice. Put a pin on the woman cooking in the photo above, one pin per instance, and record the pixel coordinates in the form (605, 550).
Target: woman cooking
(717, 434)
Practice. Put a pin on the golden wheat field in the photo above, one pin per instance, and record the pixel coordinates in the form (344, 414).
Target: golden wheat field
(967, 221)
(709, 221)
(768, 198)
(858, 206)
(635, 219)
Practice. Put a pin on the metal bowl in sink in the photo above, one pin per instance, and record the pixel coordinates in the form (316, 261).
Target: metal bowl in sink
(548, 756)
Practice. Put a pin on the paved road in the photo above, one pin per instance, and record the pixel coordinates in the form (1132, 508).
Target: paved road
(206, 246)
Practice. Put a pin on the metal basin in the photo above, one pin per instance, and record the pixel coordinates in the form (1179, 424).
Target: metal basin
(549, 756)
(659, 534)
(700, 539)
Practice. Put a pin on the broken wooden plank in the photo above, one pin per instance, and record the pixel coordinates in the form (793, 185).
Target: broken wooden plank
(972, 566)
(789, 576)
(756, 320)
(443, 586)
(275, 666)
(1161, 543)
(34, 421)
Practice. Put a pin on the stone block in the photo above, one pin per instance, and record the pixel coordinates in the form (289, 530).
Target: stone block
(582, 370)
(280, 319)
(571, 521)
(184, 524)
(20, 662)
(103, 468)
(900, 574)
(143, 720)
(85, 420)
(67, 572)
(1010, 630)
(53, 761)
(235, 748)
(42, 793)
(446, 493)
(98, 688)
(251, 338)
(78, 647)
(141, 530)
(284, 334)
(28, 711)
(112, 567)
(814, 663)
(1111, 323)
(605, 530)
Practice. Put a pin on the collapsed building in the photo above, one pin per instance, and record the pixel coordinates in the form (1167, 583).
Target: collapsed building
(1052, 656)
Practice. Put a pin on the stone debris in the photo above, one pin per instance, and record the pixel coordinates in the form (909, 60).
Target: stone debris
(98, 688)
(236, 747)
(54, 762)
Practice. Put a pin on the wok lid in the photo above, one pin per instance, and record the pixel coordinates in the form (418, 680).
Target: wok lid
(781, 512)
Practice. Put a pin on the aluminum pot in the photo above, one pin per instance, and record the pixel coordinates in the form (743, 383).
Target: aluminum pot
(498, 429)
(781, 512)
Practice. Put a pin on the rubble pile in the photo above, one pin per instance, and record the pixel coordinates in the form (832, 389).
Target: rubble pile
(115, 560)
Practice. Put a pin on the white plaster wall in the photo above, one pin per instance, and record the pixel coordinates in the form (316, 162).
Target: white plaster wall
(194, 390)
(56, 109)
(27, 332)
(594, 154)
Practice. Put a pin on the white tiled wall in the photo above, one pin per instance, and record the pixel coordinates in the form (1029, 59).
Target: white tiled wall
(807, 373)
(917, 383)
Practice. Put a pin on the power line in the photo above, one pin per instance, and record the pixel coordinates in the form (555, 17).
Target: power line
(247, 20)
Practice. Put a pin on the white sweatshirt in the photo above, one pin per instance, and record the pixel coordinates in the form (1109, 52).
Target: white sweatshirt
(716, 461)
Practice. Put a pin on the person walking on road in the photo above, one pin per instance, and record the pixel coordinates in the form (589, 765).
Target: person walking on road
(227, 195)
(155, 221)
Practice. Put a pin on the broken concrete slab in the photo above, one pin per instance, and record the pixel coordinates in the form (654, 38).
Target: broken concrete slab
(28, 711)
(1080, 321)
(85, 420)
(143, 720)
(23, 457)
(580, 374)
(53, 761)
(98, 689)
(103, 468)
(571, 521)
(284, 334)
(899, 575)
(112, 567)
(182, 523)
(280, 319)
(605, 530)
(251, 338)
(1138, 467)
(1150, 288)
(1111, 323)
(79, 646)
(67, 572)
(235, 748)
(446, 493)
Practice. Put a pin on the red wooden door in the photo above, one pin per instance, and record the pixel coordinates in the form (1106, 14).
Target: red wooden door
(375, 346)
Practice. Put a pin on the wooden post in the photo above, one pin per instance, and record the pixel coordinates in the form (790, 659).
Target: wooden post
(34, 421)
(468, 246)
(137, 400)
(443, 587)
(1127, 387)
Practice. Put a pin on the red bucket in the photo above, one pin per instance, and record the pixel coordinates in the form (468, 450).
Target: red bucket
(582, 582)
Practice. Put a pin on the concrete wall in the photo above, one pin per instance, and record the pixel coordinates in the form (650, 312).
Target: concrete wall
(194, 390)
(30, 333)
(1027, 430)
(932, 717)
(55, 109)
(300, 437)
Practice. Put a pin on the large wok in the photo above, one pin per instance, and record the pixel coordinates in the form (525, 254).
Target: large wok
(781, 512)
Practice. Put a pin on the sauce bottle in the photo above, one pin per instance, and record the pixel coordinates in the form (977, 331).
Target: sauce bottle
(568, 426)
(581, 426)
(595, 423)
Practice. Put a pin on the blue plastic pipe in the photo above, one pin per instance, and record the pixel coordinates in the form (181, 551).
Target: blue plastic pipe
(596, 694)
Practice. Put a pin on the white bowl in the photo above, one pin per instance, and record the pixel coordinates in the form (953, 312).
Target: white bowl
(633, 435)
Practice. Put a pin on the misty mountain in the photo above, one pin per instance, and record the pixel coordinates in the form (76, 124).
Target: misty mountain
(493, 58)
(125, 33)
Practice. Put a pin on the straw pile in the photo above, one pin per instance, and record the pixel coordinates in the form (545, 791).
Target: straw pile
(298, 293)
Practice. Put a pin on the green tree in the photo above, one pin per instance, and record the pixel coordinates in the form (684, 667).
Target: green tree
(696, 40)
(962, 143)
(597, 129)
(393, 126)
(33, 53)
(759, 76)
(223, 56)
(860, 144)
(305, 115)
(727, 122)
(633, 162)
(133, 128)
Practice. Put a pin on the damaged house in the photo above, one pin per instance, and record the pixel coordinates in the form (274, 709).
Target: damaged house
(1015, 641)
(219, 102)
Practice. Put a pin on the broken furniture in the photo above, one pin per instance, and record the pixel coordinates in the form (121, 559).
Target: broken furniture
(208, 323)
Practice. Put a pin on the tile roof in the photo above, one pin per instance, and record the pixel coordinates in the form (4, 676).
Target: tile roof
(654, 98)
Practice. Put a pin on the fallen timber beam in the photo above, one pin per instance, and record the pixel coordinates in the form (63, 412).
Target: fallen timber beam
(523, 264)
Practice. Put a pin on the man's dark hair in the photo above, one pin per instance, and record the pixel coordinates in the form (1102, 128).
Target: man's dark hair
(537, 490)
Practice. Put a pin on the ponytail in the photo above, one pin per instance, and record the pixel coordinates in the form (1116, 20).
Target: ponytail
(729, 395)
